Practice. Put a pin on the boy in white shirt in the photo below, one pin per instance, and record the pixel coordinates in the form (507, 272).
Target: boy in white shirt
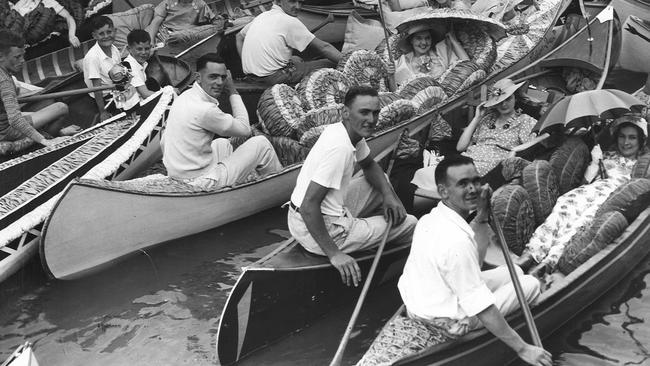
(139, 47)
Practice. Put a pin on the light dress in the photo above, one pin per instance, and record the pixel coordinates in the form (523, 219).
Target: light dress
(575, 209)
(434, 63)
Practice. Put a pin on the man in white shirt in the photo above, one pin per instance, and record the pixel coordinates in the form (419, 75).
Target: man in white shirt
(442, 283)
(267, 43)
(333, 214)
(189, 151)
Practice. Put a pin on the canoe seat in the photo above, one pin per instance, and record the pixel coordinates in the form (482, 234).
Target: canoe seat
(14, 147)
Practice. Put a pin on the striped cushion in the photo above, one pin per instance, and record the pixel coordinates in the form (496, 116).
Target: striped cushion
(280, 110)
(513, 209)
(569, 163)
(322, 87)
(541, 185)
(630, 199)
(642, 167)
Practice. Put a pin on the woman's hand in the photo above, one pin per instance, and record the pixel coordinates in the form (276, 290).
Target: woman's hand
(481, 111)
(596, 154)
(74, 41)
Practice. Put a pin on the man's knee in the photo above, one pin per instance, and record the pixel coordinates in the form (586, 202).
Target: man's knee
(61, 109)
(261, 142)
(531, 287)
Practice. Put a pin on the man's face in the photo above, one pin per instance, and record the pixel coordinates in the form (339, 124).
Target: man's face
(362, 115)
(291, 7)
(104, 36)
(461, 189)
(212, 78)
(13, 60)
(140, 51)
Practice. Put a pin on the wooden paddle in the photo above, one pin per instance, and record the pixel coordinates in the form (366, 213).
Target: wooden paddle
(67, 93)
(530, 321)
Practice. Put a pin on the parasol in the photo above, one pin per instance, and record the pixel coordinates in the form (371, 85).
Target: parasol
(585, 108)
(448, 15)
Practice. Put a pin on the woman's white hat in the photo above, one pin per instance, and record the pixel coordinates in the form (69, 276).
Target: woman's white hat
(500, 91)
(437, 30)
(634, 119)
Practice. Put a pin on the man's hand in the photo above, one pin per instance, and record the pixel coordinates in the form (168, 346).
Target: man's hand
(52, 142)
(229, 85)
(103, 116)
(394, 211)
(483, 207)
(535, 356)
(347, 267)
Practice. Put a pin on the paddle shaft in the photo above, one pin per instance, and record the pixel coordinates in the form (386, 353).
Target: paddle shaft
(67, 93)
(530, 321)
(383, 25)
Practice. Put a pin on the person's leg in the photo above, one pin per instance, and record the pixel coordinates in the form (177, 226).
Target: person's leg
(256, 154)
(362, 199)
(499, 281)
(366, 233)
(51, 119)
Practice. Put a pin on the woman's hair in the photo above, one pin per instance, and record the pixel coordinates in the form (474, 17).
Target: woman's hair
(639, 132)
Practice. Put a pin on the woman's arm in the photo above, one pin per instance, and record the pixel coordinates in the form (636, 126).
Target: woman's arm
(153, 27)
(529, 143)
(466, 138)
(72, 28)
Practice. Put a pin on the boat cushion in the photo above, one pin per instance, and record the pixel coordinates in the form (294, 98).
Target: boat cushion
(309, 138)
(541, 185)
(396, 112)
(322, 87)
(363, 68)
(12, 147)
(386, 98)
(569, 163)
(641, 168)
(590, 239)
(473, 79)
(289, 151)
(320, 117)
(630, 199)
(512, 207)
(414, 86)
(513, 167)
(280, 110)
(361, 33)
(439, 130)
(126, 21)
(480, 47)
(428, 98)
(455, 76)
(39, 23)
(395, 50)
(96, 6)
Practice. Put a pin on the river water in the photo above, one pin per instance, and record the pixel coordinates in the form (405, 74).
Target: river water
(163, 307)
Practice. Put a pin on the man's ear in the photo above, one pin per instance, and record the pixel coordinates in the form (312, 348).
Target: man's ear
(197, 76)
(346, 113)
(442, 190)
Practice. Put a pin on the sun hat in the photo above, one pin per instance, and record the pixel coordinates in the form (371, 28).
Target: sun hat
(633, 119)
(500, 91)
(438, 31)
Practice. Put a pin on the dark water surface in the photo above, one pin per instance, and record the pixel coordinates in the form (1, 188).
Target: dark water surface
(163, 308)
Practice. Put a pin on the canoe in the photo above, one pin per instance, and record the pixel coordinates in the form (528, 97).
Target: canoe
(146, 226)
(288, 289)
(555, 307)
(32, 183)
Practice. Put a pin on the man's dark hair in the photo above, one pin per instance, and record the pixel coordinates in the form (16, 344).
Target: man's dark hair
(208, 57)
(138, 36)
(356, 91)
(10, 39)
(100, 21)
(448, 162)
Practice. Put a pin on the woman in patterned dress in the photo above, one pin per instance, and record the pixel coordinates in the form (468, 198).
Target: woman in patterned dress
(578, 206)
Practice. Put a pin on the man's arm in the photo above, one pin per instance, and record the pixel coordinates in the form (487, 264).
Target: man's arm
(239, 41)
(217, 121)
(99, 101)
(144, 92)
(480, 222)
(393, 209)
(14, 116)
(153, 27)
(325, 49)
(497, 325)
(313, 218)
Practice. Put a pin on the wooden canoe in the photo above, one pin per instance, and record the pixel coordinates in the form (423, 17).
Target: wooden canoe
(287, 290)
(556, 306)
(68, 254)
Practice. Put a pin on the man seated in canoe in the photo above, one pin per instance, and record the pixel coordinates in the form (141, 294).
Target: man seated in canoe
(14, 124)
(443, 285)
(331, 213)
(189, 152)
(266, 46)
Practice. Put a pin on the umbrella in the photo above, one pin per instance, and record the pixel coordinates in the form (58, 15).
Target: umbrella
(585, 108)
(495, 28)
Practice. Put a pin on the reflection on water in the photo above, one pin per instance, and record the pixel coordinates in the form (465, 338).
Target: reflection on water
(163, 308)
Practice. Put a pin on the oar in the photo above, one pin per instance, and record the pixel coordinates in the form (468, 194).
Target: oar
(530, 321)
(67, 93)
(386, 35)
(328, 20)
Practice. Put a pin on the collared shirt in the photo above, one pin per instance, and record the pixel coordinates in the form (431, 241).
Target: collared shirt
(97, 64)
(330, 163)
(137, 71)
(442, 275)
(24, 7)
(270, 40)
(193, 121)
(10, 115)
(181, 17)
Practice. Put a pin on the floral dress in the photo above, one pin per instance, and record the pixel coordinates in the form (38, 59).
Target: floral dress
(575, 209)
(491, 144)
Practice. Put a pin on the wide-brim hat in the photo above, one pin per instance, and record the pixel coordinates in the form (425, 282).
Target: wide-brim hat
(633, 119)
(437, 30)
(500, 91)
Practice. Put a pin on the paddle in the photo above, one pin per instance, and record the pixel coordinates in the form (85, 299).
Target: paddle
(530, 321)
(67, 93)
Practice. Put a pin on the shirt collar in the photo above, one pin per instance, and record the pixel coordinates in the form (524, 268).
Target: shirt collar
(344, 132)
(130, 57)
(203, 94)
(455, 218)
(277, 7)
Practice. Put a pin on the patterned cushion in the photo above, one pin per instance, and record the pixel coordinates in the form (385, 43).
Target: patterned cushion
(630, 199)
(590, 239)
(413, 87)
(428, 98)
(541, 185)
(363, 67)
(513, 209)
(513, 167)
(569, 163)
(309, 138)
(642, 167)
(396, 112)
(289, 151)
(280, 110)
(452, 79)
(320, 117)
(386, 98)
(323, 87)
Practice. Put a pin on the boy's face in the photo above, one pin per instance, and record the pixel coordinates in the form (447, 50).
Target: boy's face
(140, 51)
(104, 36)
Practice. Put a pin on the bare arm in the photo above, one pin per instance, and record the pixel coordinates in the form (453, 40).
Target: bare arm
(466, 138)
(239, 40)
(153, 27)
(12, 109)
(313, 218)
(144, 92)
(530, 143)
(99, 101)
(480, 223)
(72, 28)
(326, 50)
(393, 209)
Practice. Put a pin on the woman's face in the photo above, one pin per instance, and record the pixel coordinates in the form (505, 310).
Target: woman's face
(507, 106)
(421, 43)
(628, 142)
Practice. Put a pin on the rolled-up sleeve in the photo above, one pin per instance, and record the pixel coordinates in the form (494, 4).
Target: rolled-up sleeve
(461, 271)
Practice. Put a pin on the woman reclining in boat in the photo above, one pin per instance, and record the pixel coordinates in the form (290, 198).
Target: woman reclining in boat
(178, 15)
(578, 206)
(423, 57)
(496, 132)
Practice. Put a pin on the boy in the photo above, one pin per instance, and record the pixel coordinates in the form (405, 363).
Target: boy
(139, 46)
(99, 60)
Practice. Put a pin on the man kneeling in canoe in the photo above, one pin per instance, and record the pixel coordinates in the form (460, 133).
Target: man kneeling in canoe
(14, 124)
(442, 284)
(330, 212)
(189, 152)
